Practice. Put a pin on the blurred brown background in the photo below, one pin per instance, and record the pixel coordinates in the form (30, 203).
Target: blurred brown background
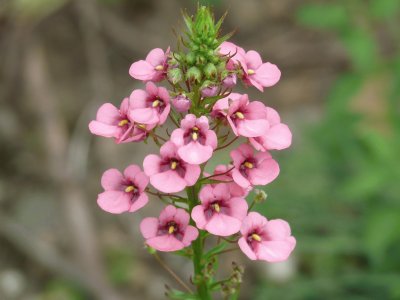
(60, 59)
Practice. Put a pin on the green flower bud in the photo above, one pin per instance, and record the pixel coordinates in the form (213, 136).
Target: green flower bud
(193, 74)
(260, 196)
(175, 75)
(191, 58)
(210, 71)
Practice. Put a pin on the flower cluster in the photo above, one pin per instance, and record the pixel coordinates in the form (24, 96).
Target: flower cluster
(200, 103)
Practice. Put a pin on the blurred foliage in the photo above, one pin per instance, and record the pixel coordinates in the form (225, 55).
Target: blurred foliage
(62, 290)
(339, 188)
(120, 265)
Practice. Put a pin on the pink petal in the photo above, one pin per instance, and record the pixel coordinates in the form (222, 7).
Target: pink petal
(108, 114)
(190, 235)
(131, 171)
(114, 202)
(272, 116)
(142, 70)
(151, 89)
(275, 251)
(221, 191)
(156, 57)
(253, 59)
(141, 181)
(211, 139)
(252, 128)
(199, 217)
(151, 164)
(251, 80)
(277, 229)
(167, 243)
(167, 214)
(265, 172)
(138, 99)
(195, 153)
(140, 202)
(112, 180)
(164, 115)
(238, 208)
(168, 182)
(124, 108)
(202, 123)
(223, 225)
(206, 194)
(149, 227)
(245, 247)
(188, 122)
(177, 137)
(240, 179)
(252, 221)
(192, 174)
(144, 115)
(102, 129)
(256, 110)
(169, 149)
(182, 217)
(267, 74)
(278, 137)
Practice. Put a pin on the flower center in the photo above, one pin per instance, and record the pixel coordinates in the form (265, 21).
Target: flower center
(174, 164)
(156, 103)
(130, 188)
(195, 133)
(123, 122)
(256, 237)
(216, 207)
(240, 115)
(250, 71)
(172, 227)
(159, 68)
(248, 165)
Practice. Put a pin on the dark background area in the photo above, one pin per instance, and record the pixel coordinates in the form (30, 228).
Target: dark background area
(339, 184)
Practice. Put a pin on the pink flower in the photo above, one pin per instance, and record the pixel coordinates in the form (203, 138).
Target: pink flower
(170, 232)
(266, 240)
(224, 173)
(277, 137)
(229, 81)
(181, 103)
(250, 169)
(209, 91)
(246, 118)
(219, 213)
(195, 141)
(150, 106)
(113, 122)
(153, 68)
(169, 173)
(123, 192)
(257, 73)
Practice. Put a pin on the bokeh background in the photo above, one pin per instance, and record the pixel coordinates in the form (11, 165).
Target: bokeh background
(339, 186)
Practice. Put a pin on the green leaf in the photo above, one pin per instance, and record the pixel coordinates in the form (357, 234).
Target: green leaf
(215, 250)
(326, 16)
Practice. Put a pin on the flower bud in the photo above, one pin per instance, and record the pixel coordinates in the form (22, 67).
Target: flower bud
(175, 75)
(190, 58)
(209, 89)
(181, 103)
(193, 74)
(230, 80)
(260, 196)
(210, 71)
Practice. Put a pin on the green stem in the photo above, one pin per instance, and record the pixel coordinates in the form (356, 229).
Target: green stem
(197, 246)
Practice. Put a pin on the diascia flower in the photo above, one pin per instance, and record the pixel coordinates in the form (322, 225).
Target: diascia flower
(253, 169)
(219, 213)
(277, 137)
(123, 192)
(257, 73)
(169, 173)
(195, 141)
(248, 119)
(116, 123)
(153, 68)
(266, 240)
(150, 106)
(170, 231)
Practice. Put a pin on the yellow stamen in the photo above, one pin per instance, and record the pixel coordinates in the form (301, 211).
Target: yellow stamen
(250, 71)
(129, 189)
(156, 103)
(159, 68)
(174, 164)
(195, 128)
(195, 136)
(123, 122)
(216, 207)
(248, 165)
(171, 229)
(239, 115)
(256, 237)
(141, 126)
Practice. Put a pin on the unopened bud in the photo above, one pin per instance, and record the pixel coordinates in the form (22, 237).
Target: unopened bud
(210, 71)
(230, 80)
(181, 103)
(209, 89)
(260, 196)
(175, 75)
(193, 74)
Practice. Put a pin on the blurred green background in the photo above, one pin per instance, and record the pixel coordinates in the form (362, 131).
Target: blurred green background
(340, 181)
